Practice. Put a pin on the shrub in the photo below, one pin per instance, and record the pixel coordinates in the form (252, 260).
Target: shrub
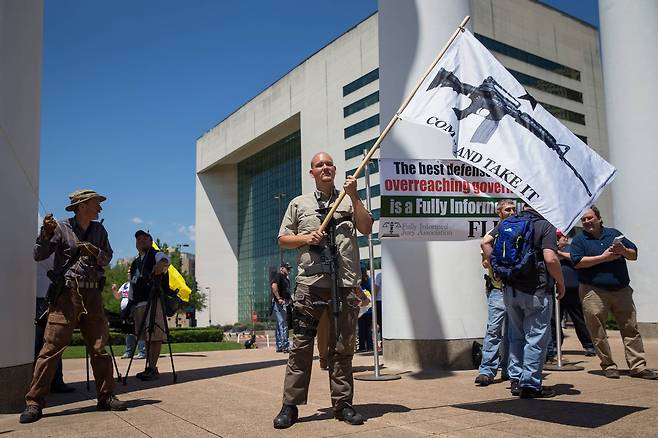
(176, 335)
(612, 323)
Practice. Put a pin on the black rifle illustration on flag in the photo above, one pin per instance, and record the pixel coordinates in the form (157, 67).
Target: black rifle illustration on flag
(491, 101)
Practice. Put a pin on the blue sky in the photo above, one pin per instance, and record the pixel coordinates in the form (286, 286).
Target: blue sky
(128, 86)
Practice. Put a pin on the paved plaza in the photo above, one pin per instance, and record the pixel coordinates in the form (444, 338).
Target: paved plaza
(237, 393)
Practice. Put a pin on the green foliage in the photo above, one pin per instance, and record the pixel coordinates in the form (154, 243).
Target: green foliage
(117, 274)
(176, 335)
(612, 324)
(78, 351)
(247, 326)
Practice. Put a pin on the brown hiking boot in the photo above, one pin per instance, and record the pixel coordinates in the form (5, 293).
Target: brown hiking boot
(31, 414)
(112, 403)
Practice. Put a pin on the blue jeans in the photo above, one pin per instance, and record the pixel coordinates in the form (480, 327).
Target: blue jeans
(281, 326)
(528, 319)
(495, 348)
(130, 344)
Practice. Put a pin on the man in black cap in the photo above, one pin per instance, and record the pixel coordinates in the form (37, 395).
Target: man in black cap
(82, 250)
(280, 286)
(150, 266)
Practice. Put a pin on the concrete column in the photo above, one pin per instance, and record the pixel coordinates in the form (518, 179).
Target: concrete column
(629, 44)
(217, 251)
(434, 305)
(21, 34)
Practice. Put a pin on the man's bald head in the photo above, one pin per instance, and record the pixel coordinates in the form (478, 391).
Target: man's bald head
(321, 156)
(323, 171)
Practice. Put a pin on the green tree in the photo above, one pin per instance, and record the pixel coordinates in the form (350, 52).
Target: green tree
(117, 274)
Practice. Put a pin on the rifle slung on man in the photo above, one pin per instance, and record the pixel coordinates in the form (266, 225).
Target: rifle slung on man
(329, 261)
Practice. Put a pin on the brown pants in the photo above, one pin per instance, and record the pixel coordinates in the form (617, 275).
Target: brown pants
(323, 338)
(340, 352)
(83, 309)
(597, 303)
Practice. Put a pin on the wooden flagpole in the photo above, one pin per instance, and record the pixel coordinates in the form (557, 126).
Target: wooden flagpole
(392, 122)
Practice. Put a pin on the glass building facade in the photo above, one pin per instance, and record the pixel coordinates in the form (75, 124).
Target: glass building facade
(262, 178)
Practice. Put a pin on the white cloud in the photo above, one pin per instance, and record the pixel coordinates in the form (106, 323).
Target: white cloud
(137, 220)
(188, 231)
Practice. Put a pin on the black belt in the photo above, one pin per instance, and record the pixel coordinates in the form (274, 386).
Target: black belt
(83, 284)
(319, 268)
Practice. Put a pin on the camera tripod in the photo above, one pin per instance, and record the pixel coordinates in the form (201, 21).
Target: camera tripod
(155, 299)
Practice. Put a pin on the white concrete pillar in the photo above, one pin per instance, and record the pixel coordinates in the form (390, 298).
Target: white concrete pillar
(434, 305)
(217, 250)
(21, 35)
(629, 44)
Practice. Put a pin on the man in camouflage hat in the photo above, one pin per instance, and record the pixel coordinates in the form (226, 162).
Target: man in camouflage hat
(82, 250)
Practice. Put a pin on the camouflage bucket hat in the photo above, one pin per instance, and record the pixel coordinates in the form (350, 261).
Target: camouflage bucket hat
(80, 196)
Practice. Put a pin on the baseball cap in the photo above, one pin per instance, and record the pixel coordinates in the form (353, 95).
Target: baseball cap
(142, 233)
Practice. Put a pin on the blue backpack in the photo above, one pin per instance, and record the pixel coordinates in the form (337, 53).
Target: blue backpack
(514, 258)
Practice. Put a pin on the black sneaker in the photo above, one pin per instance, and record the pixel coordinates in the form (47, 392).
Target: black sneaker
(590, 352)
(31, 414)
(148, 374)
(483, 380)
(537, 393)
(112, 403)
(514, 388)
(349, 415)
(286, 417)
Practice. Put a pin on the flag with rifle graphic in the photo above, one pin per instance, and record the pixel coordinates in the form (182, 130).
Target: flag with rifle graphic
(497, 126)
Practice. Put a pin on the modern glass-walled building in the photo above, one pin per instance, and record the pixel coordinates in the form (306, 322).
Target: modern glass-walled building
(263, 178)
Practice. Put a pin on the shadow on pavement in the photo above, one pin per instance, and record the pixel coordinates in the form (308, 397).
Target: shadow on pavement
(622, 372)
(579, 414)
(368, 410)
(92, 408)
(166, 378)
(429, 374)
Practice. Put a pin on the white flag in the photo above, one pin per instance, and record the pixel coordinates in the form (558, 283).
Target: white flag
(498, 127)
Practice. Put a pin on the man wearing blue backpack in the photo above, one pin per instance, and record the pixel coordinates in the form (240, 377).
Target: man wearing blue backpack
(523, 254)
(495, 343)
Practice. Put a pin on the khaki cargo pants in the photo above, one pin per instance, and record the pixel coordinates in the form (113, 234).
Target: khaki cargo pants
(597, 303)
(305, 319)
(81, 308)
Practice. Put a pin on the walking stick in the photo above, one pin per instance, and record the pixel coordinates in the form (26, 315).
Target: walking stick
(87, 363)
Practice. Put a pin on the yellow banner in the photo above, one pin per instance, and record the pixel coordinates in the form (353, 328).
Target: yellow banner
(176, 281)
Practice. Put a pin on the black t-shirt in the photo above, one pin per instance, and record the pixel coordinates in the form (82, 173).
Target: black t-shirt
(283, 285)
(568, 271)
(544, 238)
